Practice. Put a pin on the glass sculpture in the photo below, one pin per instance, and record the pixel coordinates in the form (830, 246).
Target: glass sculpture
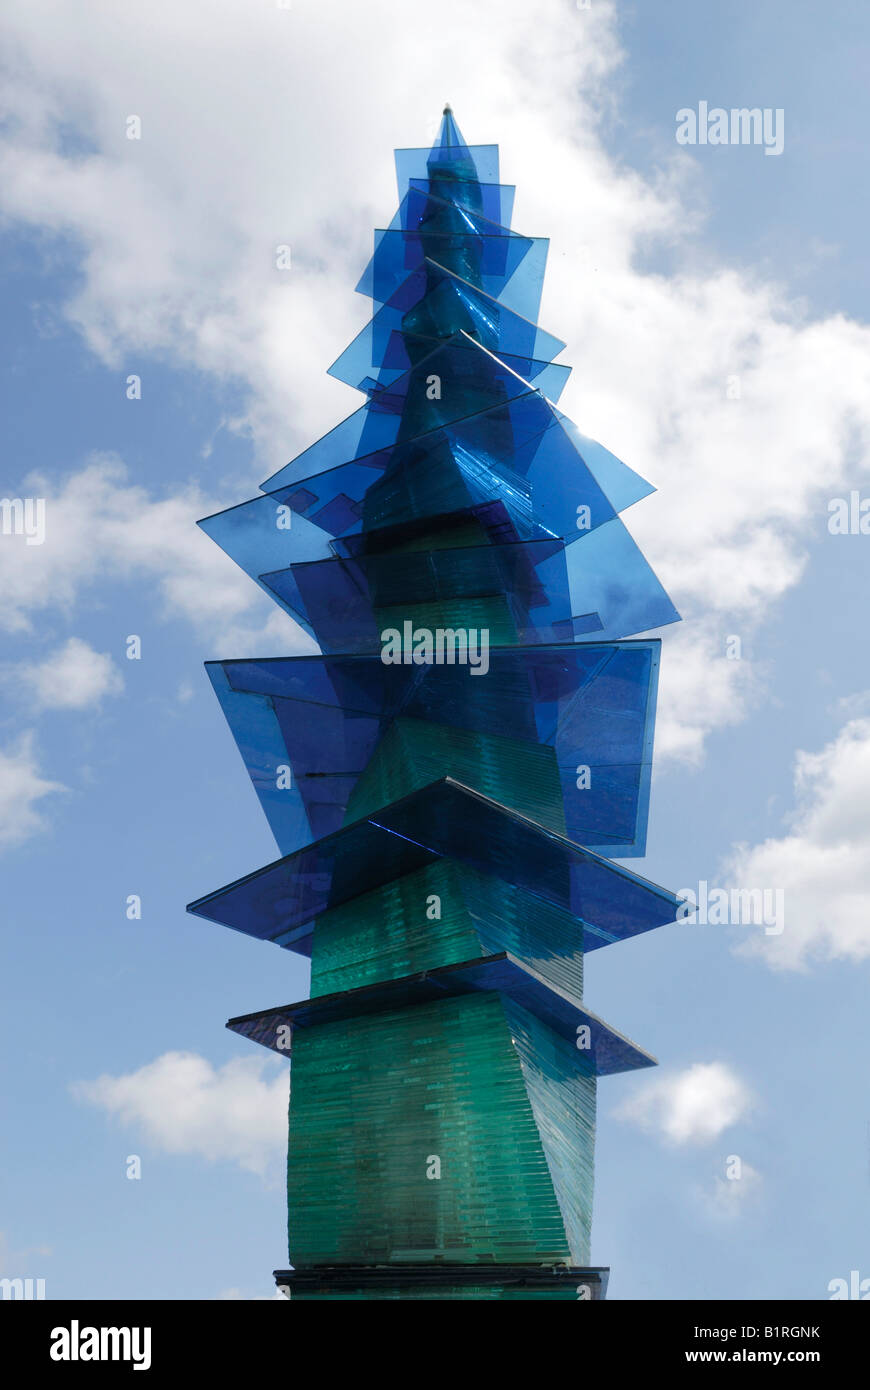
(449, 781)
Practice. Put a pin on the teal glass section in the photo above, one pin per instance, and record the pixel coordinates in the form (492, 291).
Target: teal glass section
(416, 752)
(379, 1103)
(417, 922)
(545, 937)
(606, 1052)
(440, 915)
(562, 1091)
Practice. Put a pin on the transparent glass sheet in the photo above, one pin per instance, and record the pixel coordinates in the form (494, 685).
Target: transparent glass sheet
(609, 1053)
(473, 164)
(476, 250)
(592, 705)
(337, 599)
(280, 901)
(494, 201)
(432, 304)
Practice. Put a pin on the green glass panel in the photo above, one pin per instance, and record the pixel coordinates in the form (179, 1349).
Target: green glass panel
(545, 937)
(415, 752)
(442, 914)
(414, 923)
(380, 1102)
(561, 1089)
(490, 614)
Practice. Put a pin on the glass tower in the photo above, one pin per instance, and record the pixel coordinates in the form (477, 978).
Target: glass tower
(451, 779)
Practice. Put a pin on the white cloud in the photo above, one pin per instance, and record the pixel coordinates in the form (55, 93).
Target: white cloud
(73, 677)
(178, 232)
(102, 527)
(823, 864)
(689, 1107)
(183, 1105)
(22, 788)
(700, 689)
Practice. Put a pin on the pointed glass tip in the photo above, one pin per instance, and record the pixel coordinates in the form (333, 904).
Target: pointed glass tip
(449, 136)
(450, 154)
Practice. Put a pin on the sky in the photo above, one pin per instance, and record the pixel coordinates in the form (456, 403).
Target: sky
(715, 302)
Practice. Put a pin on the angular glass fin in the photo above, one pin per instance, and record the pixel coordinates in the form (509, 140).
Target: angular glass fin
(494, 201)
(478, 251)
(608, 1051)
(563, 734)
(474, 164)
(279, 902)
(608, 574)
(430, 305)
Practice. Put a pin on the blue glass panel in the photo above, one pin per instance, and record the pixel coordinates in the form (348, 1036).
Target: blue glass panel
(488, 522)
(609, 1053)
(541, 450)
(261, 744)
(375, 361)
(253, 533)
(431, 304)
(422, 212)
(523, 290)
(551, 460)
(280, 901)
(436, 479)
(335, 599)
(474, 249)
(494, 201)
(622, 486)
(608, 575)
(592, 703)
(472, 381)
(532, 687)
(476, 163)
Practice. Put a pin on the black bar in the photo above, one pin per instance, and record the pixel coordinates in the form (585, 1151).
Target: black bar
(263, 1339)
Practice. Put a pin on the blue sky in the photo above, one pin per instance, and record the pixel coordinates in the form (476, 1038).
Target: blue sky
(672, 270)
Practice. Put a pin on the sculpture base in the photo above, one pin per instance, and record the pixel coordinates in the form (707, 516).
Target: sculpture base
(352, 1283)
